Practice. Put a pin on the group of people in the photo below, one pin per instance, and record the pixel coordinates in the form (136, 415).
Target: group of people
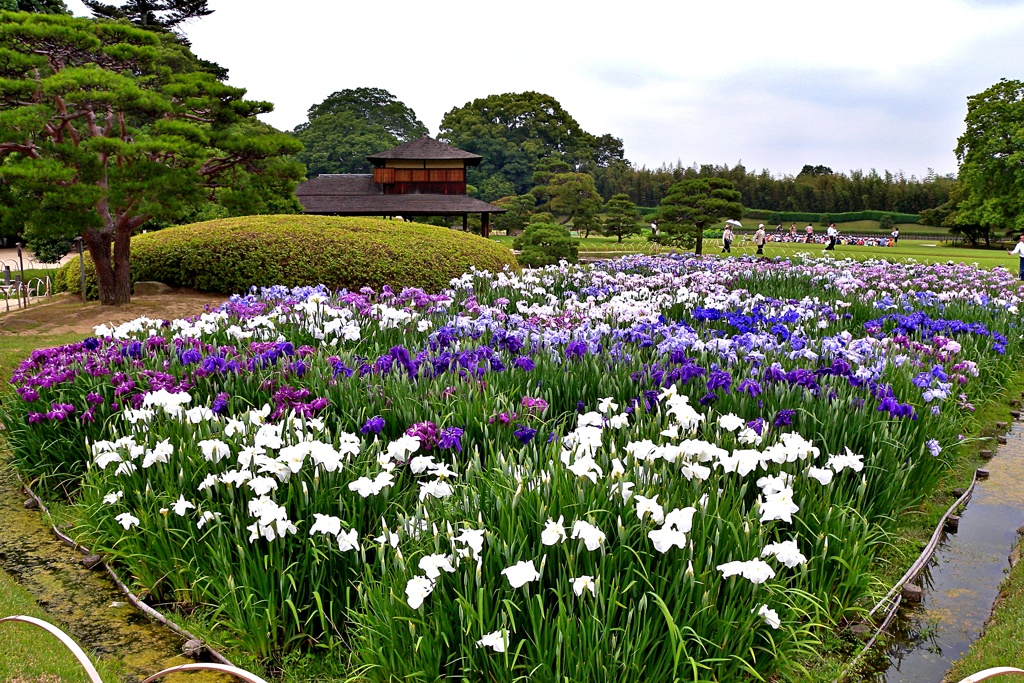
(831, 238)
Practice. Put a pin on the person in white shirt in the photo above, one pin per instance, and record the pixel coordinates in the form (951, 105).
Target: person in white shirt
(833, 234)
(759, 239)
(727, 240)
(1019, 251)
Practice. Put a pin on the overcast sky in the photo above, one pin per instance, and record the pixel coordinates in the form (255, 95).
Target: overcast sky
(852, 85)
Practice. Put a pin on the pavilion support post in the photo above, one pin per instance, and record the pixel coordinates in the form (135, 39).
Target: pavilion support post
(485, 224)
(465, 222)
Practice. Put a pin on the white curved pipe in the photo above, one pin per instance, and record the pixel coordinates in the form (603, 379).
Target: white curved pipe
(79, 654)
(991, 673)
(223, 668)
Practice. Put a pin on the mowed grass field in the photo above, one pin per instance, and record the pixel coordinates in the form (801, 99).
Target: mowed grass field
(923, 250)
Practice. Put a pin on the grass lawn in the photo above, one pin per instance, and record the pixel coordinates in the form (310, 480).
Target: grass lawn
(28, 654)
(926, 251)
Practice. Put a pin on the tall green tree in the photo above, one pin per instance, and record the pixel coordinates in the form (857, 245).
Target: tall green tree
(574, 197)
(37, 6)
(991, 158)
(518, 210)
(621, 218)
(351, 124)
(107, 127)
(690, 206)
(161, 15)
(513, 131)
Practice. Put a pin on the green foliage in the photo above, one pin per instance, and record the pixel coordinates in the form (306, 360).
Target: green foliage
(514, 131)
(886, 223)
(50, 249)
(834, 193)
(692, 204)
(574, 196)
(620, 218)
(777, 217)
(544, 244)
(105, 127)
(517, 213)
(351, 124)
(160, 15)
(991, 154)
(37, 6)
(232, 255)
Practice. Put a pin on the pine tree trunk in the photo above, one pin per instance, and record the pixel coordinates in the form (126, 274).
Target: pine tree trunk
(113, 275)
(699, 246)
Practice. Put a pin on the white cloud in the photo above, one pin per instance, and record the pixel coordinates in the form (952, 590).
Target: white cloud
(876, 83)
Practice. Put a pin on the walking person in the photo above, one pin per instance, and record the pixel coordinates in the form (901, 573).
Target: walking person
(759, 238)
(810, 233)
(727, 240)
(1019, 251)
(833, 235)
(895, 236)
(792, 233)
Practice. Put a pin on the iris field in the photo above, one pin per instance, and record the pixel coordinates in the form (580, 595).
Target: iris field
(653, 468)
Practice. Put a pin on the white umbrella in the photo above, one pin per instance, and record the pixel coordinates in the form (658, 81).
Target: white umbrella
(732, 222)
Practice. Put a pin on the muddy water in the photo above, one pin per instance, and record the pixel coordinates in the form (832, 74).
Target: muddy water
(84, 603)
(962, 580)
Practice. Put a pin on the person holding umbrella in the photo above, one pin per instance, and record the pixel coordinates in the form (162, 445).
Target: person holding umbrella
(727, 235)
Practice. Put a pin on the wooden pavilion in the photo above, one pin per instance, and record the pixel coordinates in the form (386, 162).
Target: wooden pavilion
(423, 177)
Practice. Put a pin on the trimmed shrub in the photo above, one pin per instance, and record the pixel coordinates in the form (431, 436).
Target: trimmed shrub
(544, 244)
(847, 217)
(232, 255)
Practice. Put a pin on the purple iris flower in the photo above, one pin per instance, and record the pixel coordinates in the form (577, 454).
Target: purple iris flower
(373, 426)
(524, 363)
(525, 434)
(427, 433)
(220, 404)
(784, 418)
(450, 437)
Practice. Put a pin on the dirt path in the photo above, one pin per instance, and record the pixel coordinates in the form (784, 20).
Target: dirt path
(66, 315)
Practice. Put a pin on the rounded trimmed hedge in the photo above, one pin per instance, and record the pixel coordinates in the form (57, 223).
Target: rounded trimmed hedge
(233, 254)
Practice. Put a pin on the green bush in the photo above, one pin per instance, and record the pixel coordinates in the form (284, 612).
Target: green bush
(234, 254)
(544, 244)
(809, 217)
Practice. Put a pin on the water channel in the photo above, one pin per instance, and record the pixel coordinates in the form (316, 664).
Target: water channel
(962, 581)
(84, 603)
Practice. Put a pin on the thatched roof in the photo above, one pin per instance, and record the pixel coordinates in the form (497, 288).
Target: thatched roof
(426, 148)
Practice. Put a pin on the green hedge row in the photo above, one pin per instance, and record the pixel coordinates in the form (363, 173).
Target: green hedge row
(231, 255)
(819, 217)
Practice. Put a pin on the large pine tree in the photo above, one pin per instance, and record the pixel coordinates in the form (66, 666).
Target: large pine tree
(153, 14)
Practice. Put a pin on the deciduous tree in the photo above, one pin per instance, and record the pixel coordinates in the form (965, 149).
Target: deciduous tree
(689, 206)
(351, 124)
(513, 131)
(108, 126)
(991, 157)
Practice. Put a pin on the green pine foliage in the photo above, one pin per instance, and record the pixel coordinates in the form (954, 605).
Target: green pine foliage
(621, 218)
(691, 205)
(545, 244)
(234, 254)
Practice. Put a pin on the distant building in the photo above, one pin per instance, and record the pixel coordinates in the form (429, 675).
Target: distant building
(423, 177)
